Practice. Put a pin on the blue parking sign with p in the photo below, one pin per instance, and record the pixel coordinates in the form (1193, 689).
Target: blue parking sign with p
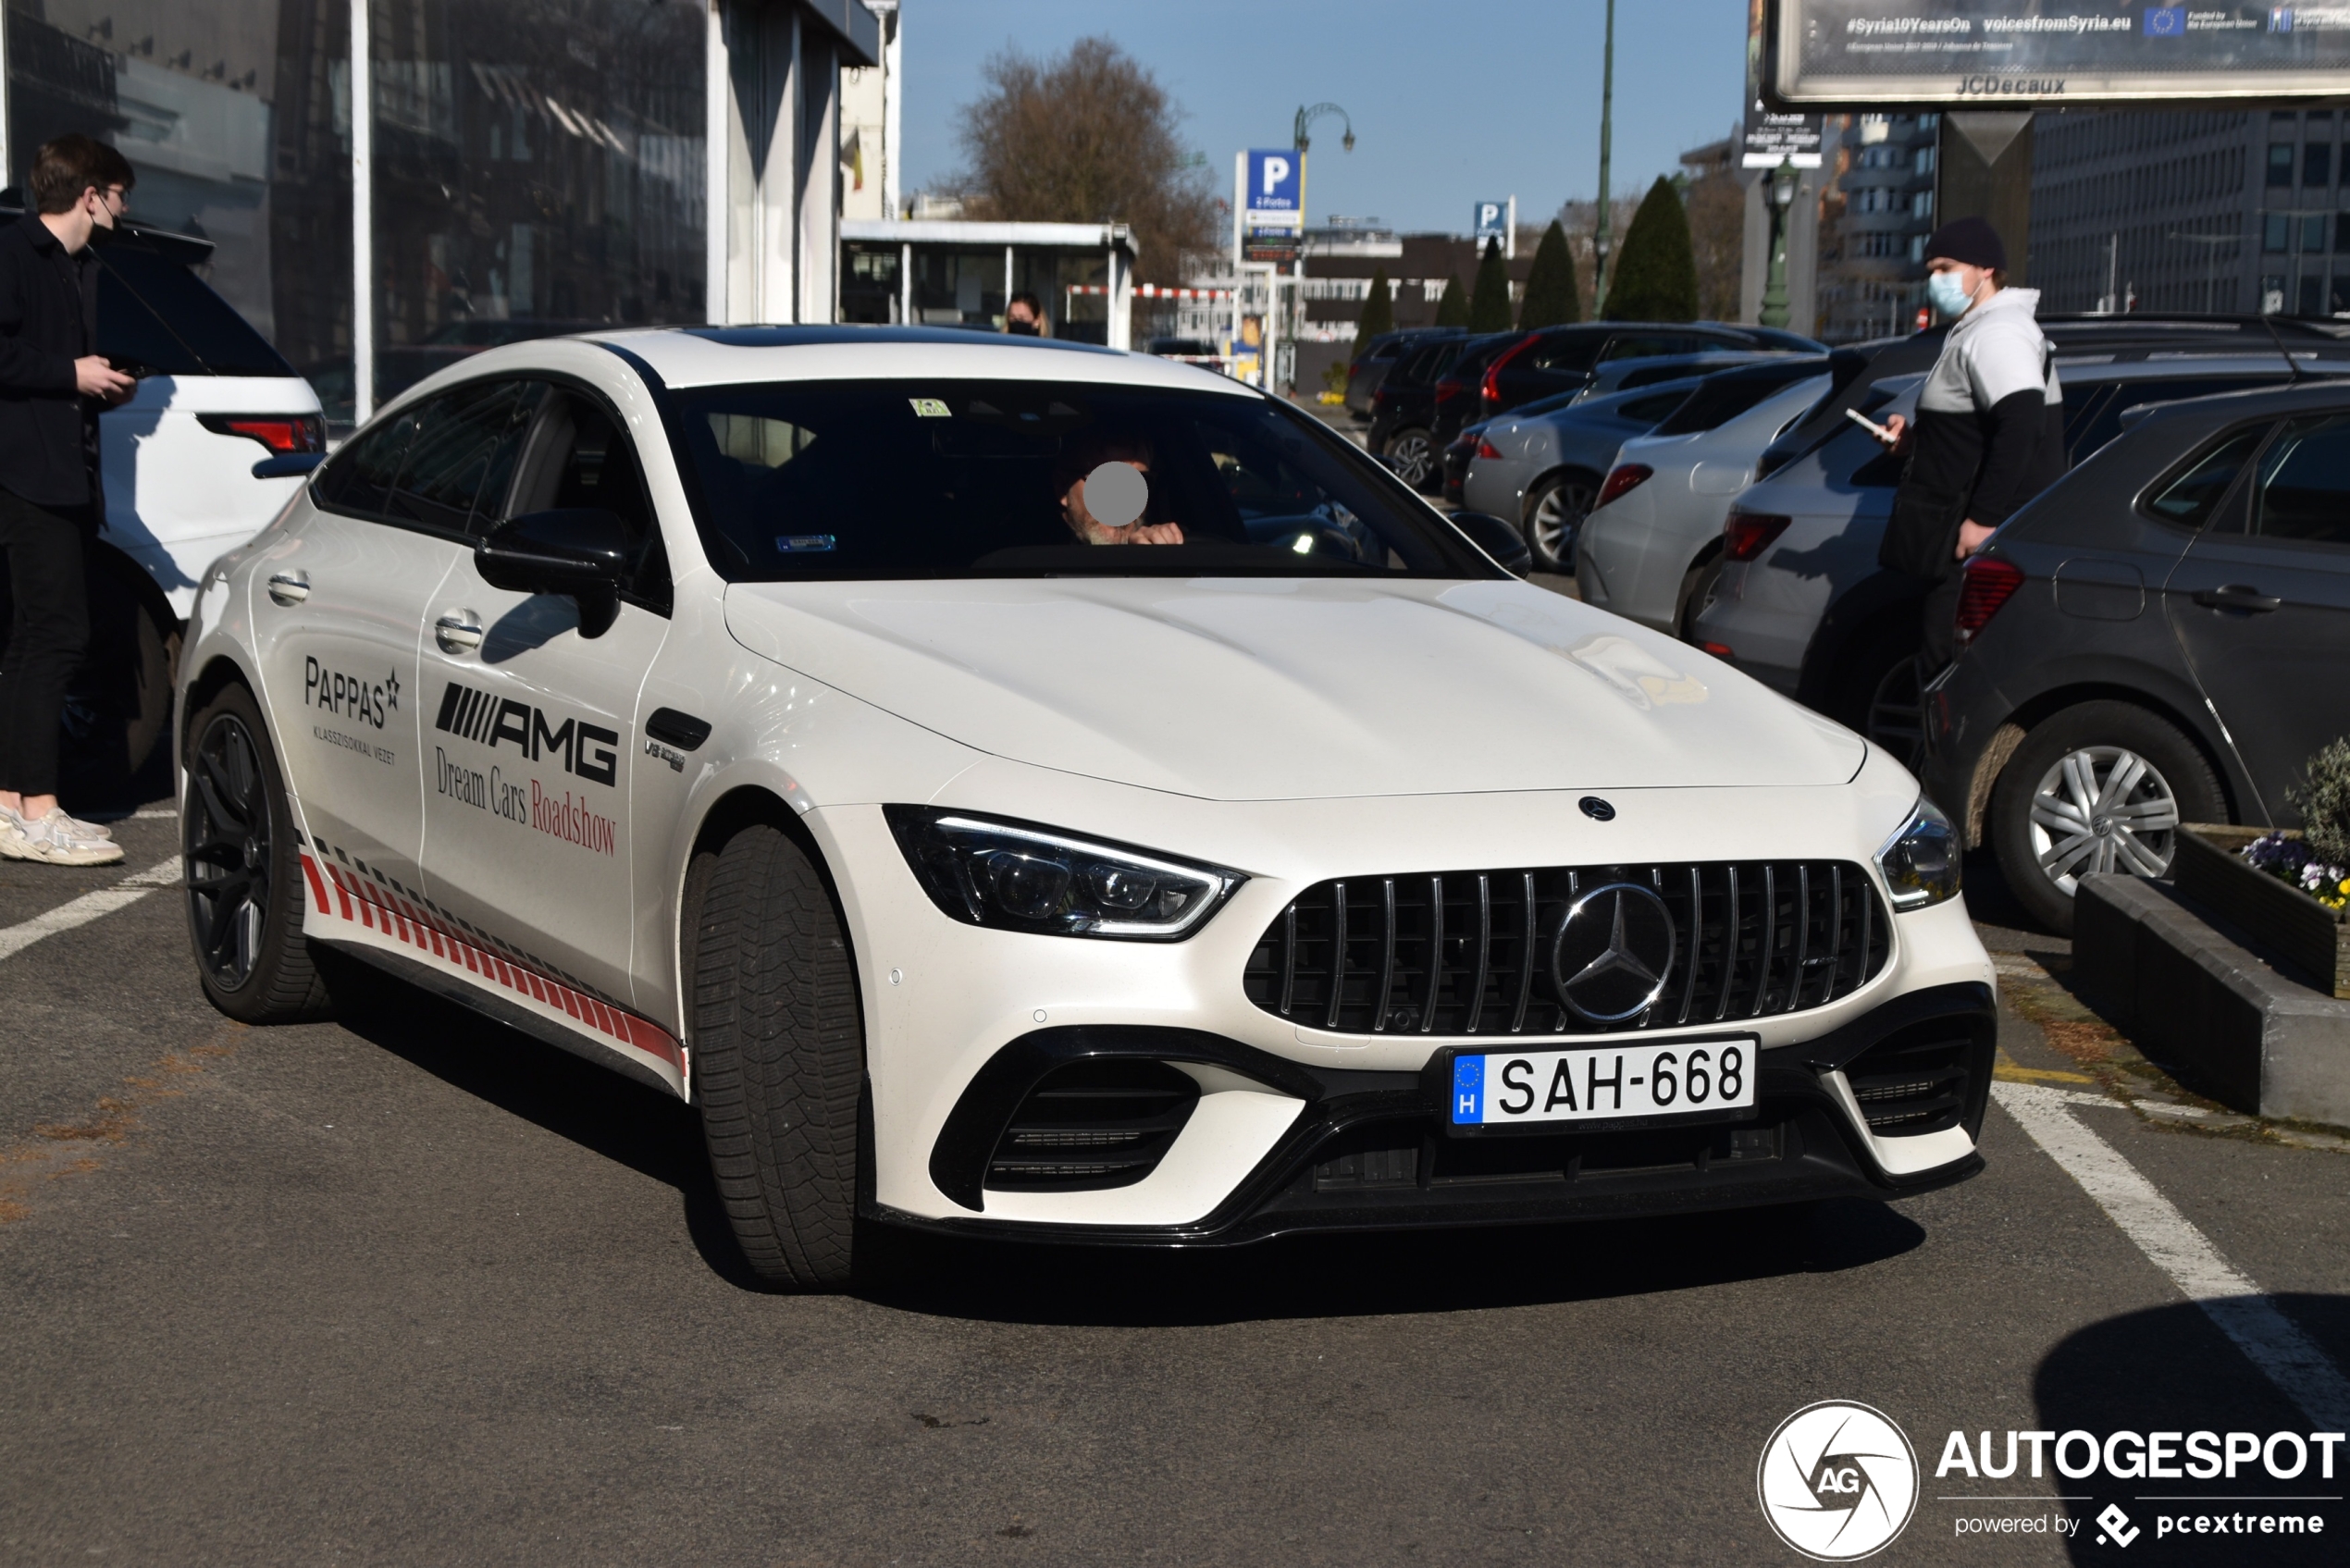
(1273, 176)
(1469, 1090)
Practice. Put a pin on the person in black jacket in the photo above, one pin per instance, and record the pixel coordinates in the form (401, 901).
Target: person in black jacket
(1990, 427)
(52, 385)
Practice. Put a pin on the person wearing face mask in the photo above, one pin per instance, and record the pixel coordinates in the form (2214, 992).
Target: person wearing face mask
(1024, 315)
(1989, 434)
(52, 385)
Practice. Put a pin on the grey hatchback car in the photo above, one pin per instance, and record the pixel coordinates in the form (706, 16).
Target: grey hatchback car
(2162, 637)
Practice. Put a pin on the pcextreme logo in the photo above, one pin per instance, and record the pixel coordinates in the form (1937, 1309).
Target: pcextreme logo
(1838, 1481)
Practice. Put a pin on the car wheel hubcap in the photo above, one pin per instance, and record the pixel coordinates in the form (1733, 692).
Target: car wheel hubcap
(2102, 809)
(1556, 516)
(1411, 459)
(228, 851)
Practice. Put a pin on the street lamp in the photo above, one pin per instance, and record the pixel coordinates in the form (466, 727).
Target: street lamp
(1782, 197)
(1307, 117)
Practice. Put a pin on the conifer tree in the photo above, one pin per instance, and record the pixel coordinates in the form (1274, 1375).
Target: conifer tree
(1490, 304)
(1655, 274)
(1379, 309)
(1452, 310)
(1551, 297)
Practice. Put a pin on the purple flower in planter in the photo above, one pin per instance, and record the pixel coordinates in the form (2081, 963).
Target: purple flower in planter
(2277, 855)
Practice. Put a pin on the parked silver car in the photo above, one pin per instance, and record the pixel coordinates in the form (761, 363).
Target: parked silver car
(1800, 603)
(1652, 546)
(1544, 466)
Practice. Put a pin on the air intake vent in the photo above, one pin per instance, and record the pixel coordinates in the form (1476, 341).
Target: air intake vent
(1091, 1125)
(1906, 1088)
(1469, 953)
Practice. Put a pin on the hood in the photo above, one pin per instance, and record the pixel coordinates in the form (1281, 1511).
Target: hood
(1239, 689)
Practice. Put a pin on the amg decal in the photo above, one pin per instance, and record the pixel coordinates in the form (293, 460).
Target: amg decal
(349, 697)
(588, 750)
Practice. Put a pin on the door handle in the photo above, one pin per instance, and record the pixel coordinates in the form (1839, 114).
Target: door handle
(289, 587)
(2238, 596)
(457, 631)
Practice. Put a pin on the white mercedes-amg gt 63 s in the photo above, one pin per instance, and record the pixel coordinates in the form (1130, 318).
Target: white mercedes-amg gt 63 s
(1016, 788)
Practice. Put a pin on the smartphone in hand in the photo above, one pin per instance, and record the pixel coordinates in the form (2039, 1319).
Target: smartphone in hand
(1871, 425)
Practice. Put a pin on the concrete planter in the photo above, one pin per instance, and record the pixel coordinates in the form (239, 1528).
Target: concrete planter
(2310, 939)
(2224, 1022)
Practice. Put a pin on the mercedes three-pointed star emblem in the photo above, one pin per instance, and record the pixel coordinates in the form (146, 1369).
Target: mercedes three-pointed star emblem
(1613, 952)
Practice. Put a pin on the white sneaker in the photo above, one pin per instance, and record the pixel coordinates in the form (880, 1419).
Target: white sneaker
(56, 840)
(86, 830)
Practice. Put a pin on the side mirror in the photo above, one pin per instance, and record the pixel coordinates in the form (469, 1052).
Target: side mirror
(1496, 538)
(575, 551)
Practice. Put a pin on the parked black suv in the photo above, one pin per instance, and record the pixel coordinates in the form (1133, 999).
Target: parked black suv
(1403, 408)
(2162, 637)
(1561, 359)
(1374, 356)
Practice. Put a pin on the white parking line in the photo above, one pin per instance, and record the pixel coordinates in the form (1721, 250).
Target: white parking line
(2271, 1340)
(80, 911)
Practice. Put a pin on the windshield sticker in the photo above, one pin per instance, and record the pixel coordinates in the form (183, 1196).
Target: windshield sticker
(795, 543)
(930, 408)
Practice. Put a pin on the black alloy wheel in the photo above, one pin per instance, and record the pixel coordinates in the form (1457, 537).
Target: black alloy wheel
(243, 870)
(1553, 514)
(1412, 454)
(1897, 713)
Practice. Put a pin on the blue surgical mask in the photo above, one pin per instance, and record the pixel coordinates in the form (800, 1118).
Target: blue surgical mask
(1950, 295)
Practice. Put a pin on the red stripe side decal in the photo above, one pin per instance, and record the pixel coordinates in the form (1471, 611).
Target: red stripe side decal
(380, 910)
(318, 884)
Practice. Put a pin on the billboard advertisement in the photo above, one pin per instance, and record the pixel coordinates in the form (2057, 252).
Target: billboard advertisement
(1867, 54)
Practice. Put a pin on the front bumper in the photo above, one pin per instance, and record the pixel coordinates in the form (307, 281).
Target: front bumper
(1366, 1151)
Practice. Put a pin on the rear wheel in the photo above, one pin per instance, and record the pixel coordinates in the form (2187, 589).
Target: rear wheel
(1877, 695)
(2101, 787)
(1412, 454)
(243, 871)
(1553, 513)
(779, 1058)
(1697, 592)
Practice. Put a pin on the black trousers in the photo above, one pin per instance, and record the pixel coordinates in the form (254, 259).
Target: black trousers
(48, 576)
(1939, 632)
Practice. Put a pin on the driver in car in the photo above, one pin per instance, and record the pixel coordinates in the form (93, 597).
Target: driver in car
(1118, 501)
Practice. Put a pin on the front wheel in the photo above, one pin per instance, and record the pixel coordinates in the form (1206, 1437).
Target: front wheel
(243, 871)
(2101, 787)
(779, 1058)
(1553, 514)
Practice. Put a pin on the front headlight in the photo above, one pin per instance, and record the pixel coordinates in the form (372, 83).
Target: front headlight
(1920, 862)
(1017, 877)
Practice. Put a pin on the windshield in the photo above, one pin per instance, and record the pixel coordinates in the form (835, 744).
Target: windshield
(868, 479)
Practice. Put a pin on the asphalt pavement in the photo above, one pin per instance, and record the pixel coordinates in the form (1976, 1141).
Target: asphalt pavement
(411, 1289)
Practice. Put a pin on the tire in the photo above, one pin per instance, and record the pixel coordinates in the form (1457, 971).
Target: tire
(1412, 454)
(1697, 592)
(2101, 787)
(779, 1058)
(1879, 696)
(1555, 511)
(242, 867)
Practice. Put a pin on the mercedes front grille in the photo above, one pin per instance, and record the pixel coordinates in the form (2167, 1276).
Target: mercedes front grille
(1471, 953)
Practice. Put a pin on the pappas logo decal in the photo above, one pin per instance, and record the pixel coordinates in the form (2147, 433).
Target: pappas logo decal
(1838, 1481)
(349, 697)
(588, 751)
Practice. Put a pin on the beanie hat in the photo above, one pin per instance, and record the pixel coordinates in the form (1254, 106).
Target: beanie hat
(1971, 240)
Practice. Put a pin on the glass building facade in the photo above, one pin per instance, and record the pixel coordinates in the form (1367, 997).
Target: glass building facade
(534, 165)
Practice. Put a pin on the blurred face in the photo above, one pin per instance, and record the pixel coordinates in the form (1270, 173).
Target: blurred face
(1022, 313)
(1083, 523)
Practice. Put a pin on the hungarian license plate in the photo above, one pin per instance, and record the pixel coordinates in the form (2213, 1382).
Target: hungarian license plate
(1673, 1079)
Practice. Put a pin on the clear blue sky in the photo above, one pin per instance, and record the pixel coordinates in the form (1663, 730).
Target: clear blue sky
(1451, 103)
